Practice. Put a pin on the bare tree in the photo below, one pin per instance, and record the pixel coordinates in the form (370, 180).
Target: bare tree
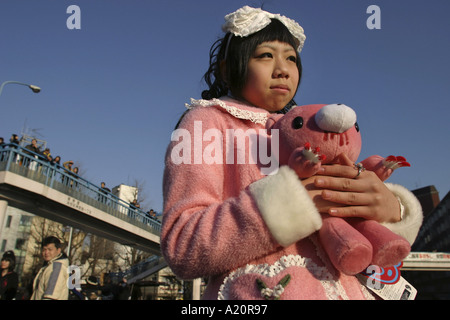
(141, 193)
(100, 257)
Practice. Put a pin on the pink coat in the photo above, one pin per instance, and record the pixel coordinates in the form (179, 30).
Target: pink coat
(245, 230)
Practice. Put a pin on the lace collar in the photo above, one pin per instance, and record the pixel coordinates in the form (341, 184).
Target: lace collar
(233, 107)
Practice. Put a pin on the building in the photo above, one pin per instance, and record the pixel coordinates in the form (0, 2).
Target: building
(15, 234)
(126, 193)
(434, 236)
(428, 197)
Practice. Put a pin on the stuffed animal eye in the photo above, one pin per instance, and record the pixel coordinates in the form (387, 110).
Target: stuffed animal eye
(356, 126)
(297, 123)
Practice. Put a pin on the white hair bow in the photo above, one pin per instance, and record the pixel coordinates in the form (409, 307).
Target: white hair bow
(247, 20)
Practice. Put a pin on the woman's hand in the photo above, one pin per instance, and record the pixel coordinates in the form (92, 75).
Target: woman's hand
(339, 191)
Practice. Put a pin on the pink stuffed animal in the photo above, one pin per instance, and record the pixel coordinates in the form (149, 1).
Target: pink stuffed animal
(317, 134)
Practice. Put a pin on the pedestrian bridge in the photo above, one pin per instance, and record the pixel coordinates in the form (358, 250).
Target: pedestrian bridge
(33, 184)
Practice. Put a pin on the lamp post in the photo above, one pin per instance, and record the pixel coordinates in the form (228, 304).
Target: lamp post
(34, 88)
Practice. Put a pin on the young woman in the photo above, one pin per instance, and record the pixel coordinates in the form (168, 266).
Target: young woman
(225, 219)
(9, 280)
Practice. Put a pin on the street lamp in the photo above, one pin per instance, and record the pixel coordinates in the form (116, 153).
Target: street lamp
(34, 88)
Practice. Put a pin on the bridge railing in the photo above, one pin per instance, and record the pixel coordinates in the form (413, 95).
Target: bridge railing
(24, 162)
(135, 269)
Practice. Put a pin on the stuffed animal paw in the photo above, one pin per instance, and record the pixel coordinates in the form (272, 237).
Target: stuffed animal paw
(384, 167)
(306, 161)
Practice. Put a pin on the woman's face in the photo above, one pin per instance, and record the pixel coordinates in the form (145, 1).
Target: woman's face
(5, 264)
(273, 76)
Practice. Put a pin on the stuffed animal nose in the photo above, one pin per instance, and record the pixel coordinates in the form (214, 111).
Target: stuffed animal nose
(335, 118)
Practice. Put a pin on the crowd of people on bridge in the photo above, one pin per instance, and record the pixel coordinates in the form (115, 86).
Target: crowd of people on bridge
(34, 150)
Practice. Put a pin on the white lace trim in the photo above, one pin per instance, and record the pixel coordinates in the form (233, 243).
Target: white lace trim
(319, 250)
(256, 117)
(367, 294)
(333, 289)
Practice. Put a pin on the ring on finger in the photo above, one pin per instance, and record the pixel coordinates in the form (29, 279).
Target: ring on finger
(360, 169)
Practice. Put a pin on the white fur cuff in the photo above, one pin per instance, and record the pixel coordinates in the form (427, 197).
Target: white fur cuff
(286, 207)
(412, 218)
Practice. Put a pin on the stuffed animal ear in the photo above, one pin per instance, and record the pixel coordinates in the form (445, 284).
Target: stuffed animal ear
(271, 121)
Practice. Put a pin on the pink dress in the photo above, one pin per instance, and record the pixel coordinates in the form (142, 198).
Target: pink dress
(251, 232)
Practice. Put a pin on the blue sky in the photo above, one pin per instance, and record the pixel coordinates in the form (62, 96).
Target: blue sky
(113, 90)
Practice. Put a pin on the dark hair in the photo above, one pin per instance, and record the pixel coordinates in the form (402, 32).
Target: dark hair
(9, 256)
(239, 52)
(50, 240)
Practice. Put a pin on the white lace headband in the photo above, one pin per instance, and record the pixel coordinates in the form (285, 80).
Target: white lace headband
(247, 20)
